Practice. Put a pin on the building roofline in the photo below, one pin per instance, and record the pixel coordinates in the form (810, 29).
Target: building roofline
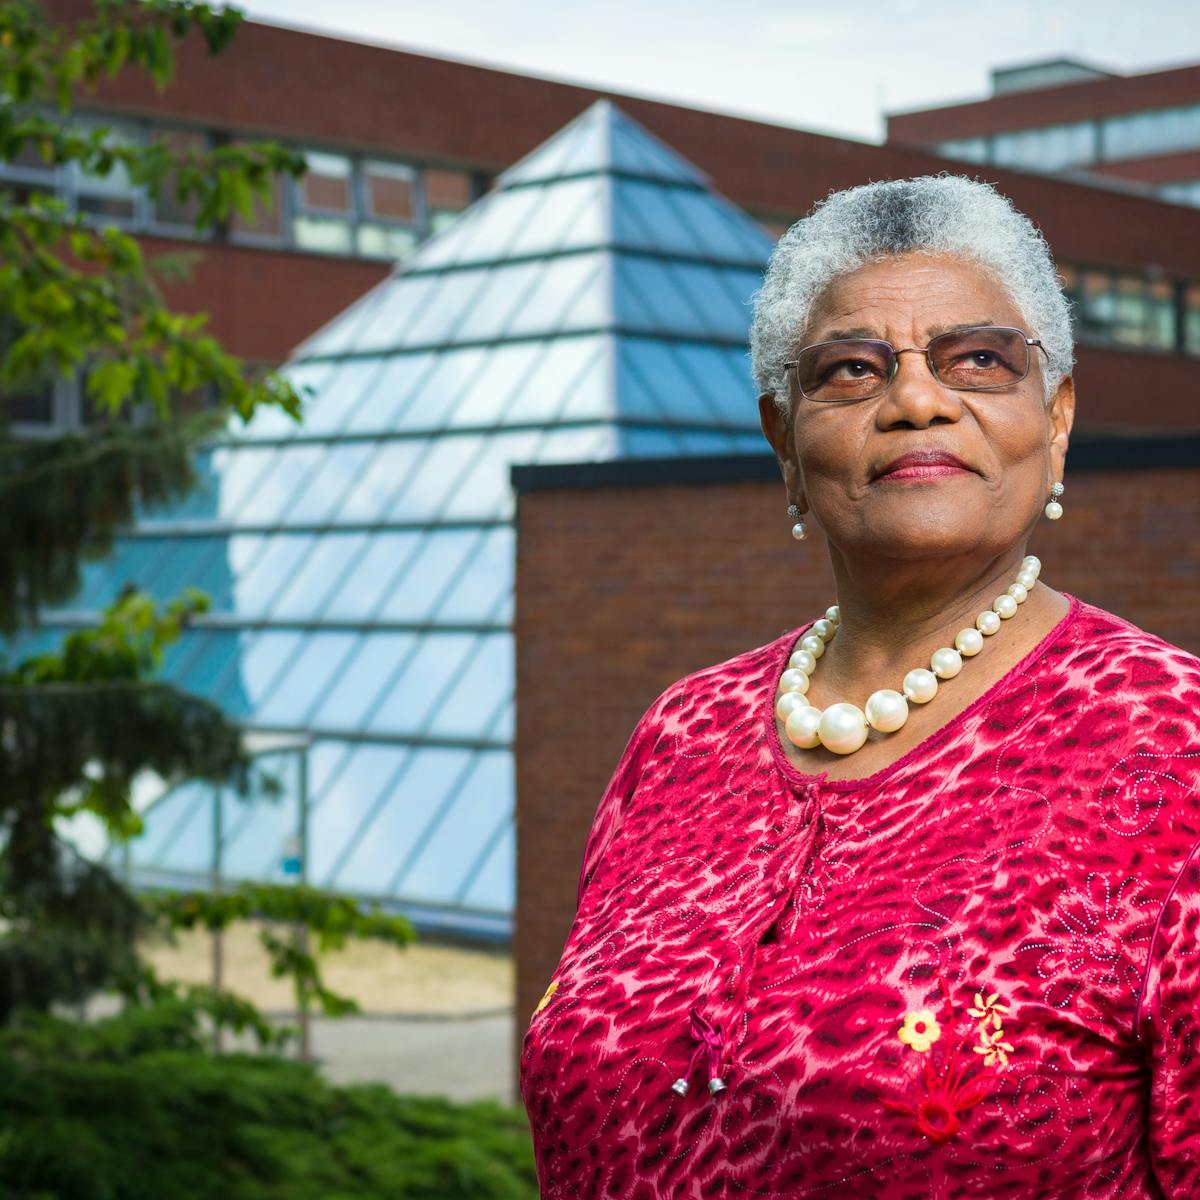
(1087, 453)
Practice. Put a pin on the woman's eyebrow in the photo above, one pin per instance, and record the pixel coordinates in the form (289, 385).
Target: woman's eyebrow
(863, 331)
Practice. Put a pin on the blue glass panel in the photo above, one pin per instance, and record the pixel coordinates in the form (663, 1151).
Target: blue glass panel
(479, 590)
(167, 818)
(442, 556)
(574, 445)
(268, 568)
(273, 494)
(345, 333)
(569, 293)
(390, 393)
(197, 562)
(454, 372)
(323, 570)
(387, 474)
(30, 643)
(655, 369)
(177, 656)
(262, 656)
(371, 578)
(714, 292)
(634, 150)
(343, 824)
(187, 845)
(455, 840)
(481, 689)
(571, 215)
(388, 326)
(495, 294)
(335, 474)
(703, 442)
(451, 246)
(503, 726)
(501, 380)
(440, 317)
(409, 802)
(494, 225)
(428, 675)
(493, 885)
(439, 474)
(568, 382)
(504, 614)
(241, 472)
(258, 830)
(271, 422)
(484, 490)
(644, 217)
(340, 394)
(648, 443)
(723, 376)
(724, 231)
(248, 847)
(361, 679)
(208, 668)
(306, 679)
(649, 297)
(580, 147)
(134, 561)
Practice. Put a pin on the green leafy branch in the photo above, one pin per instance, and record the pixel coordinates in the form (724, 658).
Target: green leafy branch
(334, 919)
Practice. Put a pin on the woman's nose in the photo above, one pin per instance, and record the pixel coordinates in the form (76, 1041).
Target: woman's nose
(916, 398)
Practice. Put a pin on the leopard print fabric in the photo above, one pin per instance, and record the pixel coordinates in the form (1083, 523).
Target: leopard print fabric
(973, 973)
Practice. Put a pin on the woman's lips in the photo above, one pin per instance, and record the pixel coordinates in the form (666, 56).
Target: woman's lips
(921, 471)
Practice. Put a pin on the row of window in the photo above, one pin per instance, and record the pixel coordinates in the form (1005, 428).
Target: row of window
(1113, 308)
(1079, 143)
(343, 204)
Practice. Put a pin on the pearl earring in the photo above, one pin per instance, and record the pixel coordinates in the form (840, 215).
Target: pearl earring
(799, 532)
(1054, 510)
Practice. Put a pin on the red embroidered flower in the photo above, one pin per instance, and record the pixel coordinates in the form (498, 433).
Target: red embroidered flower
(948, 1095)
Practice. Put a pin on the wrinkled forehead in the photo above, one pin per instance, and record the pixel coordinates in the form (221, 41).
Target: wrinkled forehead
(911, 295)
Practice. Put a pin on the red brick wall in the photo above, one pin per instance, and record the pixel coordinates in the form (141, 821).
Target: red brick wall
(622, 590)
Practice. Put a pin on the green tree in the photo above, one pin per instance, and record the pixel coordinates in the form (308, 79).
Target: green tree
(79, 724)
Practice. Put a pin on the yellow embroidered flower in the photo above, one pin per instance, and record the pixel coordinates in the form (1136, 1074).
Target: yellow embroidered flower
(546, 998)
(993, 1048)
(987, 1010)
(920, 1030)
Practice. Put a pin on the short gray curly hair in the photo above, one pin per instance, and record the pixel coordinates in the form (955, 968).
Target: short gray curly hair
(941, 213)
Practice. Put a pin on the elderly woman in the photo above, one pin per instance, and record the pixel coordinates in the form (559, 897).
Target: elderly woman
(906, 902)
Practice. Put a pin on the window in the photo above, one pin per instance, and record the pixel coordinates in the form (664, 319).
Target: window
(343, 204)
(1110, 307)
(325, 204)
(1187, 192)
(168, 209)
(972, 149)
(1159, 131)
(1051, 148)
(114, 196)
(447, 193)
(1191, 319)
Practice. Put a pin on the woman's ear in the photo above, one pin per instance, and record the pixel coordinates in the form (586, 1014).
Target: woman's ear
(1061, 414)
(777, 427)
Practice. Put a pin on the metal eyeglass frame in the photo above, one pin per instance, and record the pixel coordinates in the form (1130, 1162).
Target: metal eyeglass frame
(996, 387)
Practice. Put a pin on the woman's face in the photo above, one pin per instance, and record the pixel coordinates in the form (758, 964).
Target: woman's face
(1013, 443)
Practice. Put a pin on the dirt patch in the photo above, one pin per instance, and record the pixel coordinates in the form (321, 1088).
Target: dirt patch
(425, 978)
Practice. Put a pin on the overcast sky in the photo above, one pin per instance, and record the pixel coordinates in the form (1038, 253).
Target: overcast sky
(834, 66)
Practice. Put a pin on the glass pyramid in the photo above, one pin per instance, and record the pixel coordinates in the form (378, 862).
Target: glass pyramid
(594, 306)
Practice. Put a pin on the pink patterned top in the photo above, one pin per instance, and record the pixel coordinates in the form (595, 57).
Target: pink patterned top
(975, 972)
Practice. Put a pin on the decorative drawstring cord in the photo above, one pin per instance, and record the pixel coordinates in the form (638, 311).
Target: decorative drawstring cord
(709, 1040)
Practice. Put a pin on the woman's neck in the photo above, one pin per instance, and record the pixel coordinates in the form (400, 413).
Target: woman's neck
(895, 614)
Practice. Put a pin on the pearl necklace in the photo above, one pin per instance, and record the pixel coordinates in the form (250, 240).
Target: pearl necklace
(843, 728)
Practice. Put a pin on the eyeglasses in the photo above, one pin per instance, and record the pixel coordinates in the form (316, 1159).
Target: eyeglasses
(983, 358)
